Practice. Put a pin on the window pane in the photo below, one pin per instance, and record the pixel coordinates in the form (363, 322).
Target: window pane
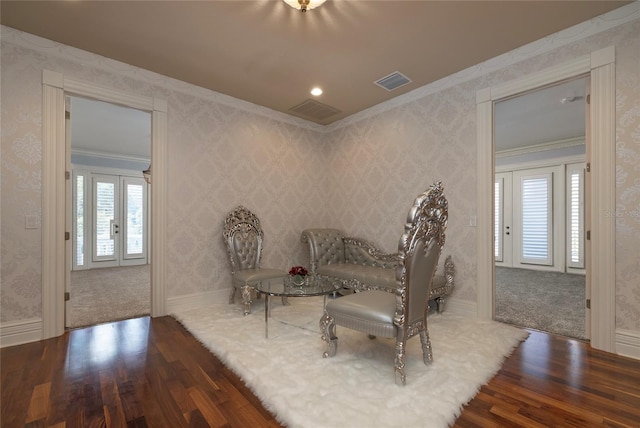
(535, 218)
(497, 226)
(135, 219)
(80, 220)
(105, 214)
(575, 220)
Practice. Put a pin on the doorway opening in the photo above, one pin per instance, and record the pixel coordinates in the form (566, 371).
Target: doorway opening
(539, 208)
(108, 212)
(600, 247)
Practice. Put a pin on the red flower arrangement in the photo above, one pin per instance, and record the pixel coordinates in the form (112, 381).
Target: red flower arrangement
(298, 270)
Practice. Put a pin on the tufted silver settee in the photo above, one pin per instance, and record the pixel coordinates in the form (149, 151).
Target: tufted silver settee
(361, 266)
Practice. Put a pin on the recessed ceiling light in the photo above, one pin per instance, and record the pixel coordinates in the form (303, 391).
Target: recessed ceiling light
(316, 91)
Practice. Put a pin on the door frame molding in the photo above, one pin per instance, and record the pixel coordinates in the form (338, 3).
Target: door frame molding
(600, 65)
(54, 154)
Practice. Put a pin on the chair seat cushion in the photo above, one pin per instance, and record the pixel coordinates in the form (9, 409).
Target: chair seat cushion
(370, 312)
(370, 275)
(254, 275)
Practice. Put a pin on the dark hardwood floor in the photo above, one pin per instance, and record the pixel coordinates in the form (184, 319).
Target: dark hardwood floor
(152, 372)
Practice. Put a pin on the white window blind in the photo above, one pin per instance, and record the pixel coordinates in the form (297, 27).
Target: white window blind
(79, 218)
(536, 223)
(134, 205)
(575, 216)
(497, 218)
(105, 215)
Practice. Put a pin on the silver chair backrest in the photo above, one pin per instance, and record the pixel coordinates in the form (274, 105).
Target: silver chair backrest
(243, 239)
(420, 247)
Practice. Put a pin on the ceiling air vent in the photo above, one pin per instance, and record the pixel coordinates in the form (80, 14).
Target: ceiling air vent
(312, 109)
(393, 81)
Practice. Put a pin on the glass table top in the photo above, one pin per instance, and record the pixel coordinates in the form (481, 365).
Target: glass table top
(284, 286)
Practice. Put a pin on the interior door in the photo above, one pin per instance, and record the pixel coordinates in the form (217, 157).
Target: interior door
(106, 220)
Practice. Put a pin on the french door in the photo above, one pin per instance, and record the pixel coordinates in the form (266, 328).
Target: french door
(110, 219)
(539, 218)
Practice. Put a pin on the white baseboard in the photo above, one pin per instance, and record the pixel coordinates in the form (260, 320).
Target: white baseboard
(19, 332)
(197, 300)
(628, 343)
(465, 308)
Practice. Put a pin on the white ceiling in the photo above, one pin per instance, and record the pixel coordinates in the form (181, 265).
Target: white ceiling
(547, 115)
(107, 130)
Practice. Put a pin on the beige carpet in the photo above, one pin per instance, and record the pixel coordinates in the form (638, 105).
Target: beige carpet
(547, 301)
(109, 294)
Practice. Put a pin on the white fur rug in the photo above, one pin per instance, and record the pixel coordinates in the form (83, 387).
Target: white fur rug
(355, 388)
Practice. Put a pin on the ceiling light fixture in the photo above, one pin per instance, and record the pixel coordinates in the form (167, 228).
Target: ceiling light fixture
(304, 5)
(316, 91)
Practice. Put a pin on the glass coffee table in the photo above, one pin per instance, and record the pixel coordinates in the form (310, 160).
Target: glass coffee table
(284, 287)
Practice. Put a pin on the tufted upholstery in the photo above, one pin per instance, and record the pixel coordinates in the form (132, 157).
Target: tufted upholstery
(243, 238)
(326, 246)
(246, 244)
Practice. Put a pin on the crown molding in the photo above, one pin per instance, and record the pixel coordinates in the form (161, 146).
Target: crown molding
(88, 59)
(109, 156)
(542, 147)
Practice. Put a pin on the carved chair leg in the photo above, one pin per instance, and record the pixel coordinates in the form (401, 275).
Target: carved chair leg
(285, 301)
(328, 329)
(440, 304)
(401, 378)
(246, 298)
(427, 355)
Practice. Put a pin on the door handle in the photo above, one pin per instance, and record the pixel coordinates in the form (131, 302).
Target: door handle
(114, 229)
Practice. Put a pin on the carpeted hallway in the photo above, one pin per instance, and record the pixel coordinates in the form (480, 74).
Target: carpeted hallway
(549, 301)
(109, 294)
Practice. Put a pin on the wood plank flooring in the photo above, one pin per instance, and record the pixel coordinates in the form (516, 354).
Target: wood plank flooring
(152, 373)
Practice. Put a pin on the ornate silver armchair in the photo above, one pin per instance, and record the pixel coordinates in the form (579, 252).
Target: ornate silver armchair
(243, 238)
(401, 314)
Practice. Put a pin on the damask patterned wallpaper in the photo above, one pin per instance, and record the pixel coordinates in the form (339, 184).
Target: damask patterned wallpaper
(380, 161)
(222, 153)
(360, 175)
